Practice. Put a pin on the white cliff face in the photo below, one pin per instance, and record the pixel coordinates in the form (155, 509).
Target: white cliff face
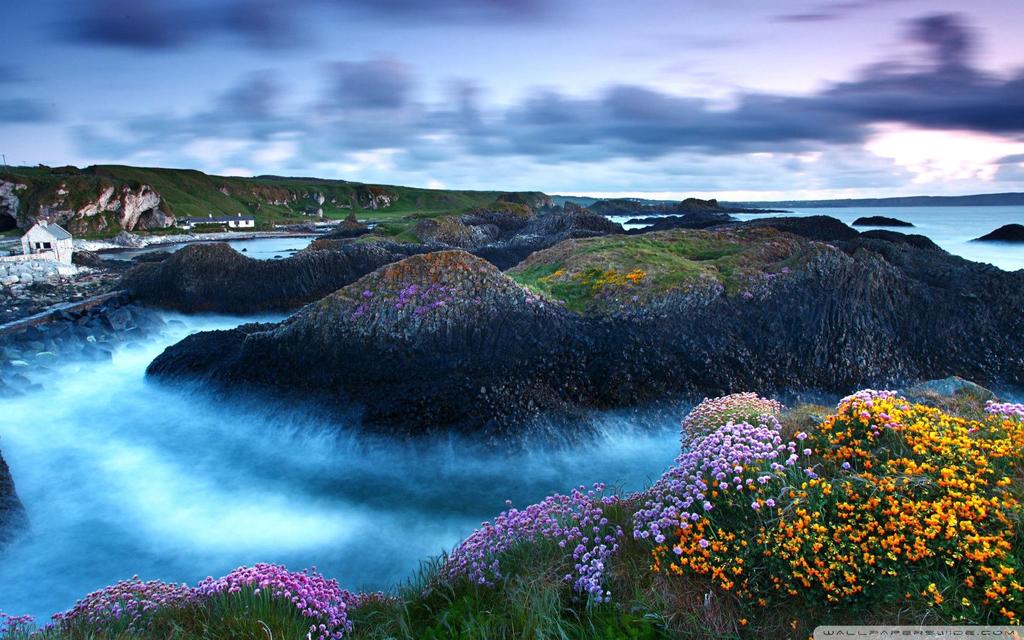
(9, 201)
(134, 209)
(102, 203)
(380, 200)
(135, 205)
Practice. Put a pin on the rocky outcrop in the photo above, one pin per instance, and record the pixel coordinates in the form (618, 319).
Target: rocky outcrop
(880, 221)
(350, 227)
(494, 354)
(375, 198)
(453, 232)
(12, 512)
(86, 334)
(823, 228)
(545, 230)
(912, 239)
(215, 277)
(446, 341)
(85, 208)
(1005, 233)
(10, 203)
(693, 220)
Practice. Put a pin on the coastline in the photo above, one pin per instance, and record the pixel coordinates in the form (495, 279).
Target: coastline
(132, 242)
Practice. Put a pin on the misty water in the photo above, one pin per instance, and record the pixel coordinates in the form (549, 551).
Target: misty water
(121, 476)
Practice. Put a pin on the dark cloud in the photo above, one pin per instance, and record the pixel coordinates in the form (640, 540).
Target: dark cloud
(143, 24)
(947, 35)
(831, 11)
(372, 104)
(382, 83)
(24, 111)
(166, 24)
(446, 10)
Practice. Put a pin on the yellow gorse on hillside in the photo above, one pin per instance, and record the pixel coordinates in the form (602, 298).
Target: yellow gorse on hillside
(907, 509)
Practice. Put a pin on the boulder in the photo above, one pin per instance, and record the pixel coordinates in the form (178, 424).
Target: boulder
(880, 221)
(1005, 233)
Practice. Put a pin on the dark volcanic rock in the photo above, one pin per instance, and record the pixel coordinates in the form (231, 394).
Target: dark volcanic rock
(546, 230)
(350, 227)
(12, 512)
(1005, 233)
(912, 239)
(437, 341)
(824, 228)
(446, 341)
(215, 277)
(879, 221)
(694, 220)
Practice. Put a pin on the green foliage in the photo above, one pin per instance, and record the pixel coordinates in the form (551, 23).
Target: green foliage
(587, 274)
(270, 199)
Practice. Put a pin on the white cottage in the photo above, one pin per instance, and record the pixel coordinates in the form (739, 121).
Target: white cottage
(48, 241)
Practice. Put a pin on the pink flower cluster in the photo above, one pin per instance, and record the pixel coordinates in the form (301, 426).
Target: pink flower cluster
(577, 521)
(11, 626)
(712, 413)
(129, 602)
(314, 596)
(1008, 409)
(733, 459)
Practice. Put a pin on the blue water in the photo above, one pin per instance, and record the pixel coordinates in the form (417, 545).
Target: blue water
(123, 477)
(259, 248)
(952, 228)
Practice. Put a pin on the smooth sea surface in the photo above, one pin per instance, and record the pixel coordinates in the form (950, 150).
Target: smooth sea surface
(259, 248)
(121, 476)
(952, 228)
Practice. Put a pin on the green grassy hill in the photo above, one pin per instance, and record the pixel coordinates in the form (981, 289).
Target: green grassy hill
(270, 199)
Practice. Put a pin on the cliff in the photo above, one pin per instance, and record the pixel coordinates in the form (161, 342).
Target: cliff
(105, 199)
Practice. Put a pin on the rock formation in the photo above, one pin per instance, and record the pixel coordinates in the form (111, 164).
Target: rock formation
(880, 221)
(447, 341)
(215, 277)
(1005, 233)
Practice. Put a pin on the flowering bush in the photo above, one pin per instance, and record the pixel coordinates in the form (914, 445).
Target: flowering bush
(313, 596)
(907, 506)
(712, 413)
(576, 521)
(129, 604)
(1010, 410)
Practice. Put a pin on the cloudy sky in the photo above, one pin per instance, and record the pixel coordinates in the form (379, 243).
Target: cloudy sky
(737, 98)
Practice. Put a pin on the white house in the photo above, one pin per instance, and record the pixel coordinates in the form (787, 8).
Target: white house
(238, 222)
(47, 241)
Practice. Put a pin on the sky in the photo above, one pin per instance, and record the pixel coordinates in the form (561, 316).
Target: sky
(737, 99)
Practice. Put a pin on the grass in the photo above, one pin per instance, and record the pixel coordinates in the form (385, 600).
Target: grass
(589, 274)
(270, 199)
